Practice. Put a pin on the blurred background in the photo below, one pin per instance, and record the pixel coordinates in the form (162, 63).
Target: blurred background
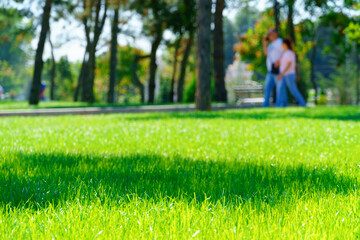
(144, 51)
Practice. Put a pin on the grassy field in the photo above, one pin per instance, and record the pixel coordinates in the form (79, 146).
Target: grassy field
(252, 174)
(5, 105)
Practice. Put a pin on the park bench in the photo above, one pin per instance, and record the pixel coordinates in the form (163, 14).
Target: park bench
(249, 94)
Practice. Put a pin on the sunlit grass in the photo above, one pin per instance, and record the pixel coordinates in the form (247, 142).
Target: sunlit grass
(257, 174)
(8, 105)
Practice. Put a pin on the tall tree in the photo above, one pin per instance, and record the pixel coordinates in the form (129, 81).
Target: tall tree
(62, 79)
(130, 73)
(176, 25)
(184, 63)
(180, 25)
(36, 82)
(135, 78)
(157, 38)
(312, 65)
(219, 66)
(203, 86)
(277, 15)
(175, 67)
(93, 19)
(277, 27)
(156, 15)
(188, 16)
(83, 75)
(291, 33)
(53, 69)
(290, 19)
(113, 56)
(310, 32)
(311, 29)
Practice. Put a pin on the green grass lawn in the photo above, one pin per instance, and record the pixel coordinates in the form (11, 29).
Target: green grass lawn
(253, 174)
(5, 105)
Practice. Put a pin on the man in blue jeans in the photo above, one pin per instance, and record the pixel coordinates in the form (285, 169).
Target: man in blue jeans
(272, 46)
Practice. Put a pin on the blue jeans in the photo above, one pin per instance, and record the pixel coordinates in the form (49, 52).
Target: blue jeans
(270, 82)
(290, 82)
(281, 94)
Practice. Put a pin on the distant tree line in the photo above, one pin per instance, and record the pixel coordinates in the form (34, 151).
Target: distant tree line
(201, 37)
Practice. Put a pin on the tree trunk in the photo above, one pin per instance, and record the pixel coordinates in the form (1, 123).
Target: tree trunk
(92, 38)
(312, 77)
(312, 64)
(153, 65)
(276, 8)
(357, 74)
(135, 79)
(203, 86)
(53, 70)
(277, 15)
(219, 67)
(173, 77)
(81, 76)
(85, 78)
(291, 34)
(88, 90)
(113, 57)
(290, 20)
(77, 89)
(36, 82)
(184, 62)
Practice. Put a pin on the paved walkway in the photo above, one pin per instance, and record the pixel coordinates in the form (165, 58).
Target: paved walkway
(109, 110)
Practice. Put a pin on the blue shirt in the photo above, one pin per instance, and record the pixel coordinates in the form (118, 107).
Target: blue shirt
(275, 50)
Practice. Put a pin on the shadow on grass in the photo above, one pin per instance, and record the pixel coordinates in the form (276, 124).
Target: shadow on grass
(56, 178)
(324, 113)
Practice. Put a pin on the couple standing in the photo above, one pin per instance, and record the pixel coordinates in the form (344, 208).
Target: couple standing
(281, 66)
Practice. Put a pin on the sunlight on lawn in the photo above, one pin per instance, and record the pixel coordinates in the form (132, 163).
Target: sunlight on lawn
(255, 173)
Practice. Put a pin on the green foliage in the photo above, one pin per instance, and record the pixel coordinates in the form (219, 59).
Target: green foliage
(304, 72)
(344, 80)
(17, 29)
(353, 32)
(250, 47)
(229, 41)
(258, 174)
(165, 87)
(156, 15)
(190, 90)
(15, 38)
(340, 45)
(177, 15)
(246, 19)
(64, 78)
(124, 87)
(182, 16)
(310, 4)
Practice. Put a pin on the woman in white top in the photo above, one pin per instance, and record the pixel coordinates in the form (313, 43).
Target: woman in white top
(287, 77)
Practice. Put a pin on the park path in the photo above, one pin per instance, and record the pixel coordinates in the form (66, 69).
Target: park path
(110, 110)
